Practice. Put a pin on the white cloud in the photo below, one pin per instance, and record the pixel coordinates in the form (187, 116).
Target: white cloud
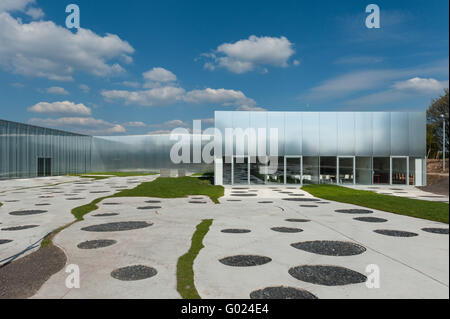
(61, 108)
(421, 85)
(157, 76)
(131, 84)
(43, 49)
(135, 124)
(219, 96)
(83, 125)
(14, 5)
(159, 132)
(35, 13)
(84, 88)
(249, 54)
(57, 90)
(152, 97)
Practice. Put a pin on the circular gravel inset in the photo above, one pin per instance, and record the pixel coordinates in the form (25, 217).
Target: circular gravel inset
(197, 202)
(297, 195)
(285, 192)
(327, 275)
(239, 188)
(118, 226)
(149, 207)
(99, 192)
(371, 219)
(297, 220)
(19, 227)
(281, 293)
(354, 211)
(309, 206)
(441, 231)
(265, 202)
(287, 229)
(42, 204)
(27, 212)
(132, 273)
(11, 201)
(111, 203)
(330, 248)
(395, 233)
(5, 241)
(75, 198)
(234, 200)
(245, 195)
(235, 231)
(94, 244)
(153, 201)
(302, 199)
(106, 215)
(245, 260)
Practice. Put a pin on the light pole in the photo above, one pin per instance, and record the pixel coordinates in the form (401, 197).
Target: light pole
(443, 142)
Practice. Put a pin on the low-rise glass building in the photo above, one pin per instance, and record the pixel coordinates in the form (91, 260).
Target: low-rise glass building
(250, 148)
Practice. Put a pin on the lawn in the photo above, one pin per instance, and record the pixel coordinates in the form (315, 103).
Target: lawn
(99, 175)
(394, 204)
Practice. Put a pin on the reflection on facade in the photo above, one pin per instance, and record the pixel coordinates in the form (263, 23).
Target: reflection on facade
(326, 148)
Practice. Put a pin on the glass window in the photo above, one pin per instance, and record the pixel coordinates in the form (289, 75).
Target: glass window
(327, 170)
(310, 170)
(381, 170)
(293, 170)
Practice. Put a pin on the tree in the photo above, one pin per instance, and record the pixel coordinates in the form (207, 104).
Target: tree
(438, 107)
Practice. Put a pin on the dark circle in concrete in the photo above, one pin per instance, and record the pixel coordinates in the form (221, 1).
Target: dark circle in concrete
(330, 248)
(5, 241)
(45, 196)
(442, 231)
(99, 192)
(354, 211)
(94, 244)
(395, 233)
(20, 227)
(111, 203)
(323, 202)
(235, 231)
(196, 198)
(197, 202)
(245, 260)
(118, 226)
(297, 220)
(239, 188)
(244, 195)
(11, 201)
(153, 201)
(265, 202)
(234, 200)
(395, 189)
(287, 229)
(105, 215)
(309, 206)
(281, 293)
(239, 192)
(131, 273)
(149, 207)
(302, 199)
(75, 198)
(327, 275)
(371, 219)
(43, 204)
(27, 212)
(297, 195)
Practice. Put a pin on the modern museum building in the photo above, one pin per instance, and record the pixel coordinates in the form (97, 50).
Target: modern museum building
(250, 148)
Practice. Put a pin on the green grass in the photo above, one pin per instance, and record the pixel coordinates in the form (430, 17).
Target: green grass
(93, 177)
(1, 204)
(168, 187)
(80, 211)
(434, 211)
(185, 265)
(120, 174)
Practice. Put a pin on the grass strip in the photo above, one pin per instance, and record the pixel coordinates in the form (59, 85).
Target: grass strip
(185, 265)
(435, 211)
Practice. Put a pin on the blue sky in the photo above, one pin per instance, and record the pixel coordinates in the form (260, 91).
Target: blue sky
(145, 67)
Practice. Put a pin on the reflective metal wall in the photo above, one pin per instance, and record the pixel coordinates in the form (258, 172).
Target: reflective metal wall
(23, 146)
(140, 152)
(336, 133)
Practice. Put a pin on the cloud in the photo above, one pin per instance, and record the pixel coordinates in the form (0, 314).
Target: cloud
(43, 49)
(249, 54)
(83, 125)
(57, 90)
(84, 88)
(14, 5)
(131, 84)
(157, 76)
(60, 108)
(152, 97)
(35, 13)
(159, 132)
(135, 124)
(219, 96)
(421, 85)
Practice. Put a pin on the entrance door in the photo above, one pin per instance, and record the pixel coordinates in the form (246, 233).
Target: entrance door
(399, 172)
(240, 170)
(44, 166)
(293, 169)
(346, 170)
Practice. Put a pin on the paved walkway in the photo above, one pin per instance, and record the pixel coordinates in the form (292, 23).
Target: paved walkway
(331, 246)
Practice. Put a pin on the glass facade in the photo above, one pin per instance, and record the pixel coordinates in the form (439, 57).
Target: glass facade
(30, 151)
(328, 147)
